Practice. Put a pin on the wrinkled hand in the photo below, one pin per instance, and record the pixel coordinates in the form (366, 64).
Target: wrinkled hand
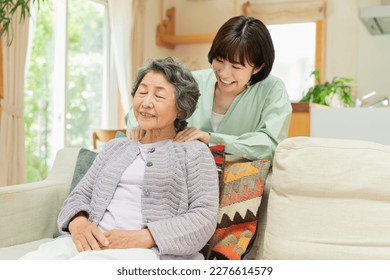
(122, 239)
(192, 133)
(135, 133)
(85, 235)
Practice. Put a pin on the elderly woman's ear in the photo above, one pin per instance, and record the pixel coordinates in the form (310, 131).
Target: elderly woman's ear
(181, 115)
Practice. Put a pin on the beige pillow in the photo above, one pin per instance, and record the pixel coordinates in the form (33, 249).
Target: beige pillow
(329, 199)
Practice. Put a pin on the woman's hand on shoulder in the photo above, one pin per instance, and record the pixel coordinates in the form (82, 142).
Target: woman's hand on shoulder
(122, 239)
(135, 133)
(191, 134)
(85, 235)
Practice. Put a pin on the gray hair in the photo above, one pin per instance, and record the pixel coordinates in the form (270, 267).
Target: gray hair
(186, 88)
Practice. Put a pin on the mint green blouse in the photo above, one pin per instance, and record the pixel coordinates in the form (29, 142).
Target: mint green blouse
(256, 121)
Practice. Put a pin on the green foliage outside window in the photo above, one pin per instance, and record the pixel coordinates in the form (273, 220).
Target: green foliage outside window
(85, 77)
(37, 99)
(84, 83)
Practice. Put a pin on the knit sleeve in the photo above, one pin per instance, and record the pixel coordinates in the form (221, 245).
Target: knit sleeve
(188, 233)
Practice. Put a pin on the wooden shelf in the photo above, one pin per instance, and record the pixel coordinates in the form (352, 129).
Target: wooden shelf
(166, 37)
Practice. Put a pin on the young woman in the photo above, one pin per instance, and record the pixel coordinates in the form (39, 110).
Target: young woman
(149, 199)
(241, 104)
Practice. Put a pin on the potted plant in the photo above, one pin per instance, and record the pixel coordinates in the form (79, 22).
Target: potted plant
(8, 9)
(326, 93)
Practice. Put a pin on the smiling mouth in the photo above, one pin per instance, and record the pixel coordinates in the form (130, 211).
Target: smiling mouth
(225, 82)
(146, 115)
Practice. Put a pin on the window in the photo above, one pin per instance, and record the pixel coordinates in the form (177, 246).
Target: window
(85, 70)
(295, 56)
(66, 79)
(297, 30)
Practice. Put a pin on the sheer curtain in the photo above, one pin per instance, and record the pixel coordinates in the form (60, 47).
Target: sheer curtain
(12, 134)
(137, 36)
(127, 42)
(120, 12)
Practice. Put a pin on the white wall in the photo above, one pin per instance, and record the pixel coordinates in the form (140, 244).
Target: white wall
(350, 50)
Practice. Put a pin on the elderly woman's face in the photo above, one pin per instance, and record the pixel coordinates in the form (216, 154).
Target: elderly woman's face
(154, 103)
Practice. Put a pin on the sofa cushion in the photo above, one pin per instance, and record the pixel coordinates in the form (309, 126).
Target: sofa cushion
(240, 198)
(84, 162)
(329, 199)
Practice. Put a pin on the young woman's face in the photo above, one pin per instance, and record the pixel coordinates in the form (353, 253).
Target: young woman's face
(232, 77)
(154, 103)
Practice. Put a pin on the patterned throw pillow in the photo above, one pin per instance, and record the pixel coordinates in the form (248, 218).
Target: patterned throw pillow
(84, 162)
(240, 198)
(219, 157)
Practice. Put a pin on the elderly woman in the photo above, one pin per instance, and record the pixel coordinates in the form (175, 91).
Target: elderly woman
(152, 198)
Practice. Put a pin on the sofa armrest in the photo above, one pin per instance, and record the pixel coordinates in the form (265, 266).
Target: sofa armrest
(29, 212)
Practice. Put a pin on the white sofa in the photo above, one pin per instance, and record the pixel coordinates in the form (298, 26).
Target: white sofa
(28, 212)
(325, 199)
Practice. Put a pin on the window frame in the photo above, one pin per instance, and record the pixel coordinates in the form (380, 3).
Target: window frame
(295, 12)
(60, 100)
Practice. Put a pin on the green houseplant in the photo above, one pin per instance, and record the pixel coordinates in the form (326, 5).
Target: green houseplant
(7, 9)
(322, 93)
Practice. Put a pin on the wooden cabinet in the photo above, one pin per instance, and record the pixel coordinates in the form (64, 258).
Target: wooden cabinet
(300, 120)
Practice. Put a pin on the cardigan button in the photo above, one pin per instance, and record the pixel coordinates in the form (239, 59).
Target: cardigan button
(152, 150)
(147, 220)
(146, 192)
(149, 163)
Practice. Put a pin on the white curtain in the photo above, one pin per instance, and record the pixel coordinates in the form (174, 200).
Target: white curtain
(12, 134)
(127, 43)
(137, 36)
(120, 12)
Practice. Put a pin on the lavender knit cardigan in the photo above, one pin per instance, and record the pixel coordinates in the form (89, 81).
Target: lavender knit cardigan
(179, 198)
